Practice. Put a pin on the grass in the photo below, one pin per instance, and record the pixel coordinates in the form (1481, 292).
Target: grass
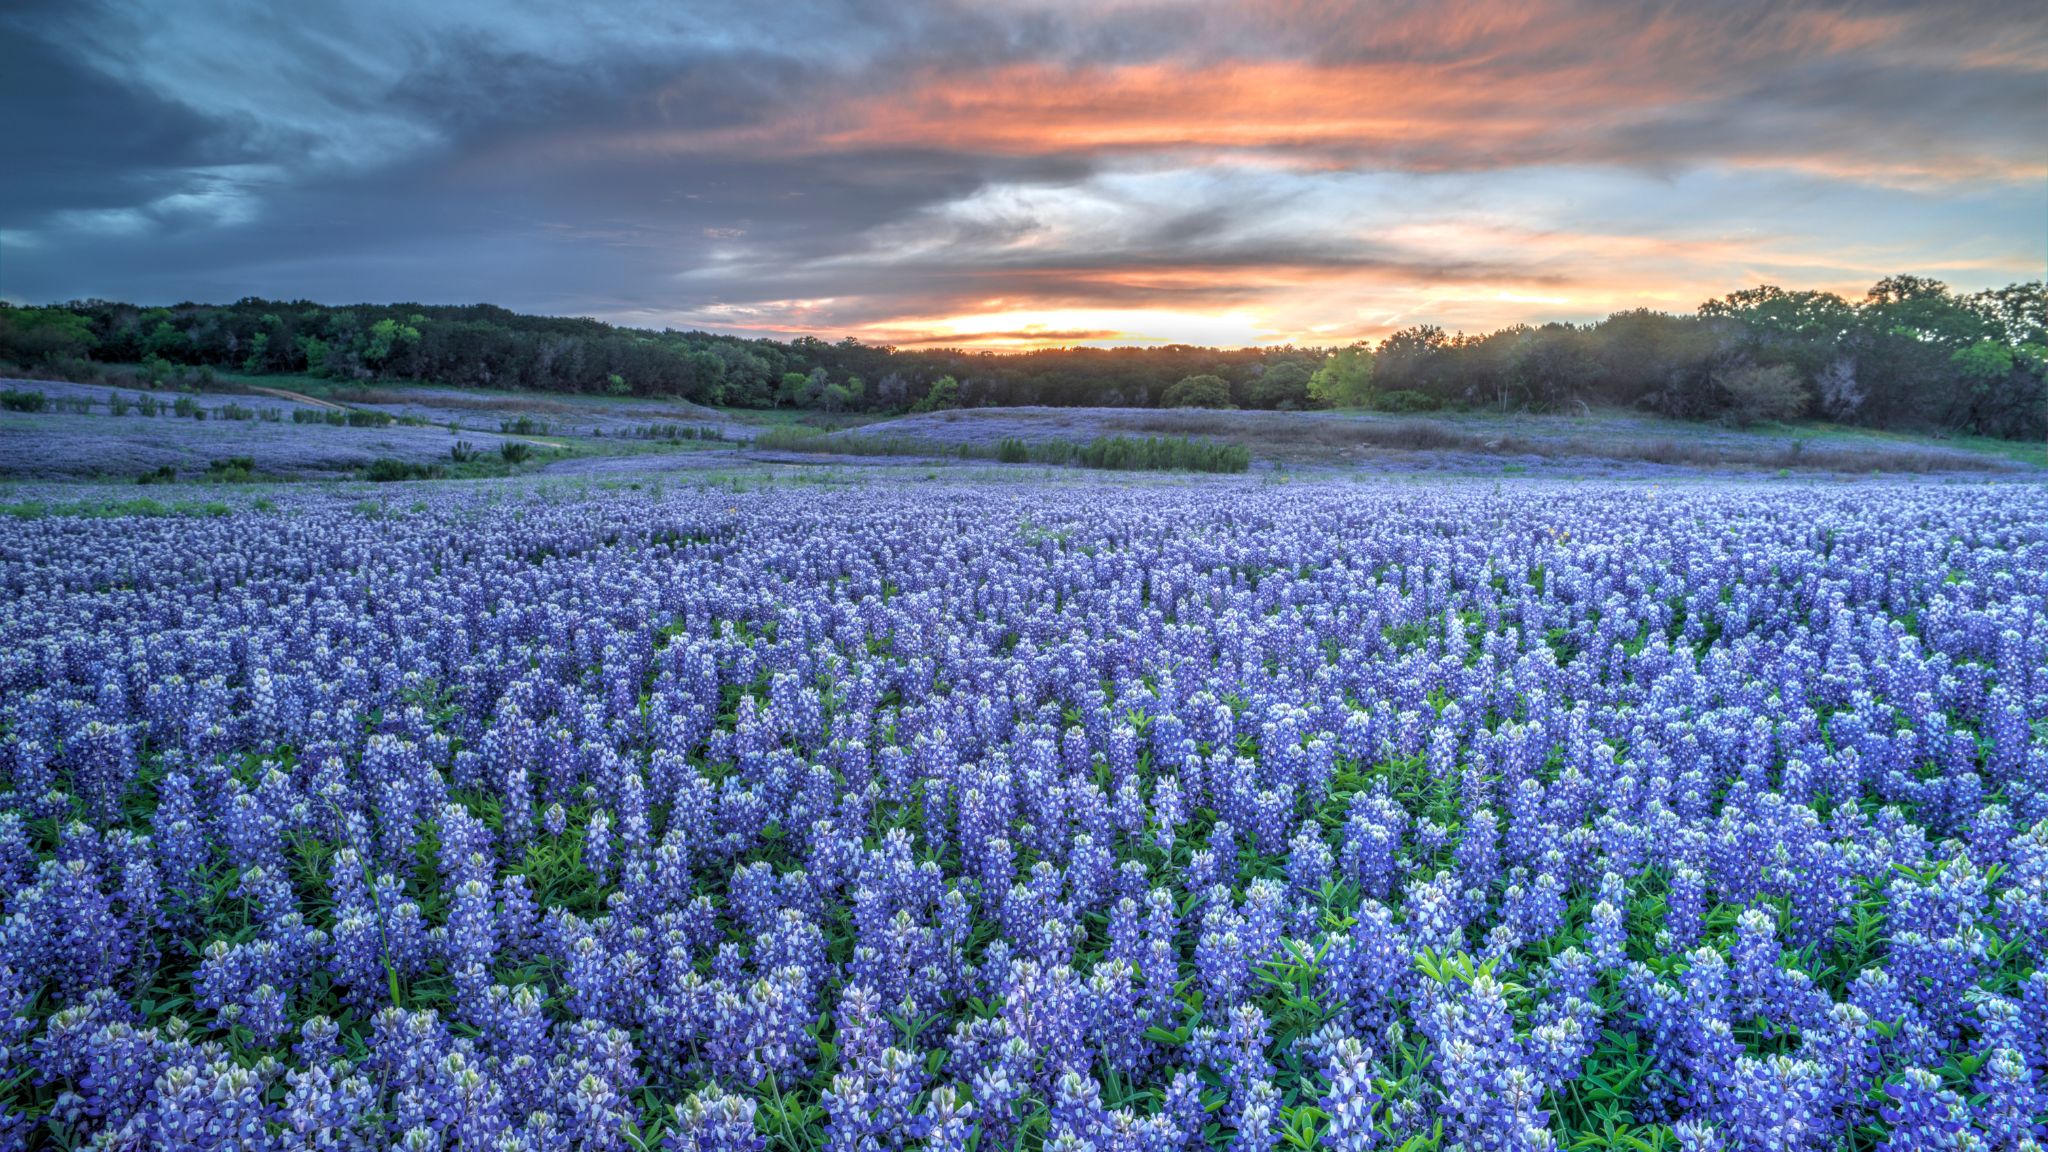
(110, 508)
(1272, 434)
(1115, 453)
(802, 418)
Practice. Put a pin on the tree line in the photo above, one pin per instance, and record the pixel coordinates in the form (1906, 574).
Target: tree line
(1912, 353)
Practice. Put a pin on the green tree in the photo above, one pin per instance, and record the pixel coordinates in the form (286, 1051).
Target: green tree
(944, 393)
(388, 338)
(1345, 379)
(1768, 310)
(791, 391)
(1203, 391)
(259, 351)
(1283, 385)
(31, 335)
(165, 341)
(1983, 361)
(316, 352)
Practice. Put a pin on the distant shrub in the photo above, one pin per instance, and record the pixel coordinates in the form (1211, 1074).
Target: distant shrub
(1202, 391)
(162, 474)
(1406, 400)
(1127, 453)
(23, 400)
(308, 416)
(148, 405)
(186, 406)
(523, 426)
(233, 469)
(675, 432)
(514, 451)
(118, 405)
(1013, 450)
(462, 452)
(233, 411)
(366, 418)
(791, 439)
(384, 470)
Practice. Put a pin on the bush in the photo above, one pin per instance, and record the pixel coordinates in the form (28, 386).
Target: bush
(384, 470)
(1197, 392)
(1407, 400)
(366, 418)
(23, 400)
(1757, 394)
(233, 411)
(308, 416)
(163, 474)
(462, 452)
(186, 406)
(1127, 453)
(514, 451)
(1013, 451)
(233, 469)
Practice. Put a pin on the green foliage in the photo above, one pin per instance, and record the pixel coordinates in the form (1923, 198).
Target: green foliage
(233, 469)
(1201, 391)
(615, 385)
(1345, 379)
(1406, 400)
(23, 400)
(515, 451)
(44, 335)
(1127, 453)
(1284, 386)
(165, 342)
(386, 470)
(944, 393)
(1985, 360)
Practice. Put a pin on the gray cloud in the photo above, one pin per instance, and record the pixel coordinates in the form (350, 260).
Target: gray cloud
(719, 160)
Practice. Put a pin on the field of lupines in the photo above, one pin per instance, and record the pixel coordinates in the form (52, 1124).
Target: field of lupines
(1134, 819)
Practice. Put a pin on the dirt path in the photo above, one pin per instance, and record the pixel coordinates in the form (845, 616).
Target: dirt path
(301, 397)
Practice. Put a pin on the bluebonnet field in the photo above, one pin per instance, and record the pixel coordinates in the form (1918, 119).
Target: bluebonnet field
(1363, 816)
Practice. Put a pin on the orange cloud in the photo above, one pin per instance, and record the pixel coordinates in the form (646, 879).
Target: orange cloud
(1432, 88)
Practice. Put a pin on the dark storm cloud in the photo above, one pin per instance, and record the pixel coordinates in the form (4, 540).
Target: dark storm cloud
(856, 164)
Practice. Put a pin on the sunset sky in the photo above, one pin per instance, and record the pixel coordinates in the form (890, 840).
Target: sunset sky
(1013, 174)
